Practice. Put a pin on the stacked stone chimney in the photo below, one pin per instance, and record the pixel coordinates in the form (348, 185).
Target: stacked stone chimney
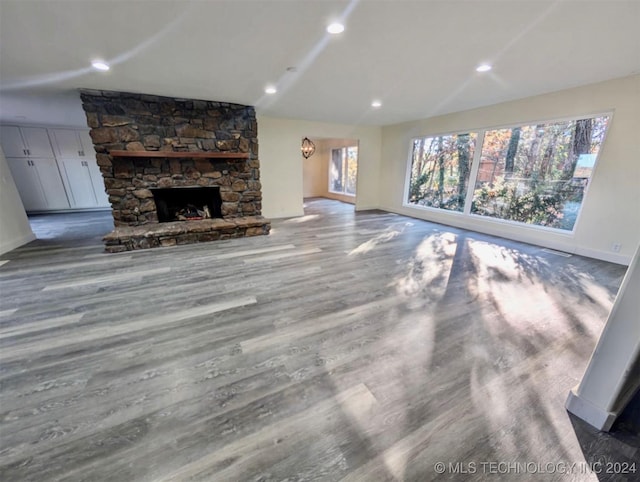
(139, 123)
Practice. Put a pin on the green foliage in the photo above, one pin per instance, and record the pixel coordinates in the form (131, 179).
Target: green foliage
(537, 204)
(440, 171)
(415, 187)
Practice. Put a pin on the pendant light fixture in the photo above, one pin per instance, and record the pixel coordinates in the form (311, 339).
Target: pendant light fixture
(308, 148)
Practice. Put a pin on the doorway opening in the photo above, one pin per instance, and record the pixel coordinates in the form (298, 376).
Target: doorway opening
(332, 171)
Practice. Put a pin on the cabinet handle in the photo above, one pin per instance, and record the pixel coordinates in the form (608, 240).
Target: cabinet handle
(28, 152)
(80, 153)
(24, 151)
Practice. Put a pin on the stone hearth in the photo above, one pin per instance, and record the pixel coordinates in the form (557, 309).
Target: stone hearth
(154, 235)
(146, 143)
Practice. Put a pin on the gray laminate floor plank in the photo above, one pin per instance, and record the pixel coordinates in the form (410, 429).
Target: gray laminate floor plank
(356, 346)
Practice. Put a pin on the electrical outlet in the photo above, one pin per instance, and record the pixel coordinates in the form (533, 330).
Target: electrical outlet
(615, 247)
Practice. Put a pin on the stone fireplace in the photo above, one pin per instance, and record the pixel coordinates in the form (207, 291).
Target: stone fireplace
(176, 171)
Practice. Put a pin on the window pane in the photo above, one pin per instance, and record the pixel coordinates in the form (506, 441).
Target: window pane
(335, 171)
(343, 170)
(352, 170)
(537, 174)
(440, 170)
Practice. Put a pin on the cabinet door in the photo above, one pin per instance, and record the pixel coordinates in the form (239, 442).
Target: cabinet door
(12, 143)
(28, 183)
(86, 144)
(37, 142)
(51, 183)
(78, 182)
(66, 143)
(98, 184)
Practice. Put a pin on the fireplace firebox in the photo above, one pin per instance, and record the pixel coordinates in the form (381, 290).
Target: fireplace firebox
(187, 203)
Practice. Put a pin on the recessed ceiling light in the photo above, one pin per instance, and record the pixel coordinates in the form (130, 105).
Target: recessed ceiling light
(483, 68)
(270, 90)
(100, 65)
(376, 104)
(335, 28)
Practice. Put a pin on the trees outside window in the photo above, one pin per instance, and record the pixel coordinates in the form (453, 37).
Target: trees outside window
(534, 174)
(440, 171)
(343, 170)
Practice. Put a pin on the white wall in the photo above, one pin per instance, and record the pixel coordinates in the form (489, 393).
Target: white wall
(611, 211)
(313, 172)
(14, 225)
(64, 109)
(606, 386)
(281, 164)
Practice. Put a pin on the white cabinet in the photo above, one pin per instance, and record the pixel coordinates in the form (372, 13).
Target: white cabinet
(39, 184)
(54, 168)
(72, 143)
(28, 183)
(98, 184)
(80, 172)
(12, 143)
(83, 181)
(26, 142)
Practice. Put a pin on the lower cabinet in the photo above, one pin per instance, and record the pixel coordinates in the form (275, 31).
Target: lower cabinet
(39, 184)
(84, 183)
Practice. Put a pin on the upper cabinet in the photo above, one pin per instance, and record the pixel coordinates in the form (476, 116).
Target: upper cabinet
(54, 168)
(71, 143)
(26, 142)
(12, 143)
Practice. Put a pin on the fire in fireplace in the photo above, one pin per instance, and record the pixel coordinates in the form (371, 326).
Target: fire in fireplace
(187, 203)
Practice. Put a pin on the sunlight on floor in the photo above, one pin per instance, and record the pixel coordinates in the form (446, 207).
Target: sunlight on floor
(384, 237)
(429, 269)
(302, 219)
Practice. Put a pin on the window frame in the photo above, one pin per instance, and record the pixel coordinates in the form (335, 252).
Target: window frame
(475, 167)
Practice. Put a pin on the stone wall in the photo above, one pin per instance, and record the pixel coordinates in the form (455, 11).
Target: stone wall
(138, 122)
(122, 121)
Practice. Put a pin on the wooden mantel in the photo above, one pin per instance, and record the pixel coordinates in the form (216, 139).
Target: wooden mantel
(183, 154)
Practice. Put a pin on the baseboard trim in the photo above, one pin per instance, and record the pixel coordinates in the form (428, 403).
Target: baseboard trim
(70, 210)
(587, 411)
(604, 255)
(558, 243)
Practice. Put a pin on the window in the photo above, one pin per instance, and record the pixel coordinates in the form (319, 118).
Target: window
(343, 170)
(440, 171)
(533, 174)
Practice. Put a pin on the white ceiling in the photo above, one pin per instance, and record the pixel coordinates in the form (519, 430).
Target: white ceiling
(417, 57)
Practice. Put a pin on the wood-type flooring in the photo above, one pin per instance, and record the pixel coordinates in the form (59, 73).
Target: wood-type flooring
(343, 346)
